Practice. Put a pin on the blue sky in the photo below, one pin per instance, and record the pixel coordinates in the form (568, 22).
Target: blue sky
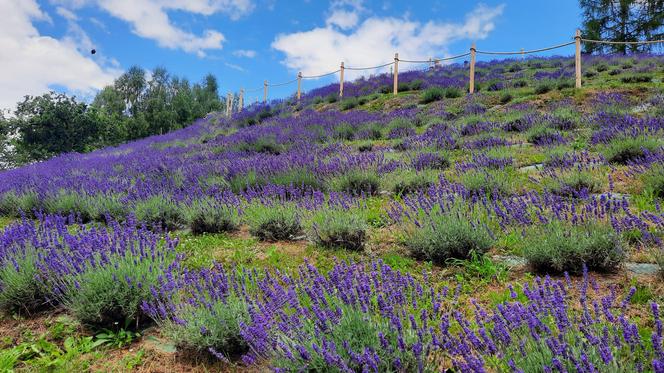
(243, 42)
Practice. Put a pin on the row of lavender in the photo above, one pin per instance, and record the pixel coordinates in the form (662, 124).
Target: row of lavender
(357, 317)
(190, 162)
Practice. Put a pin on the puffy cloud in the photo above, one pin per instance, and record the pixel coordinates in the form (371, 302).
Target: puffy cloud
(149, 19)
(343, 19)
(375, 40)
(248, 53)
(32, 63)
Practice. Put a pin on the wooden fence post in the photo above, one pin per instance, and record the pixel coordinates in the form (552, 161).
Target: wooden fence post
(341, 80)
(299, 85)
(265, 91)
(577, 58)
(396, 73)
(228, 113)
(471, 86)
(240, 104)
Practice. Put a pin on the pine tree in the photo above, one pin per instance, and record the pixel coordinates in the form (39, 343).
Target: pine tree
(622, 20)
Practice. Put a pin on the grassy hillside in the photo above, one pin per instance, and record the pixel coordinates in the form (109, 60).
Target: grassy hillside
(517, 229)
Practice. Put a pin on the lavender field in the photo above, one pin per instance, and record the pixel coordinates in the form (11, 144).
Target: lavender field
(517, 229)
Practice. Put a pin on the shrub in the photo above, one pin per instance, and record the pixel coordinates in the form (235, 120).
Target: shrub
(246, 181)
(365, 147)
(298, 178)
(434, 161)
(273, 223)
(349, 103)
(201, 312)
(564, 84)
(264, 144)
(407, 181)
(542, 88)
(160, 212)
(444, 235)
(629, 149)
(21, 289)
(65, 203)
(332, 98)
(520, 84)
(641, 78)
(505, 97)
(615, 72)
(344, 131)
(106, 295)
(541, 135)
(12, 204)
(337, 228)
(653, 180)
(482, 183)
(357, 182)
(589, 74)
(209, 216)
(560, 246)
(432, 94)
(577, 184)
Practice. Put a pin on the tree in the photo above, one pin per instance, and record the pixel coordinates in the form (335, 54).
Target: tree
(131, 85)
(622, 20)
(52, 124)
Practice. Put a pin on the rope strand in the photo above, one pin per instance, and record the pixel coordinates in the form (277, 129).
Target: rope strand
(622, 42)
(321, 75)
(529, 51)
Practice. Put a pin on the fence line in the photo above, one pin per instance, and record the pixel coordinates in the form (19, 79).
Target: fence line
(432, 62)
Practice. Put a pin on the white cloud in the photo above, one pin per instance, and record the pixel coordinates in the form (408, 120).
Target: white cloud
(235, 67)
(248, 53)
(375, 40)
(343, 19)
(31, 63)
(149, 19)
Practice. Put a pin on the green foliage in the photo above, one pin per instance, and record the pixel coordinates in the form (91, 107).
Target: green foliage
(220, 322)
(118, 338)
(273, 223)
(627, 149)
(487, 182)
(653, 180)
(407, 181)
(65, 203)
(349, 103)
(111, 295)
(559, 246)
(505, 97)
(571, 184)
(337, 228)
(540, 135)
(133, 107)
(344, 131)
(432, 94)
(357, 182)
(442, 235)
(51, 124)
(209, 216)
(159, 211)
(481, 267)
(358, 330)
(636, 78)
(543, 88)
(22, 288)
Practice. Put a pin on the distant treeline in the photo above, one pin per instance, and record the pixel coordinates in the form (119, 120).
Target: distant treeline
(135, 106)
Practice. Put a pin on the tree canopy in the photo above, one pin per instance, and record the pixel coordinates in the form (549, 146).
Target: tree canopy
(134, 106)
(622, 21)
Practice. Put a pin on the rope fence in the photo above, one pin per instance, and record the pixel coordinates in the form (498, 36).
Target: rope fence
(433, 62)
